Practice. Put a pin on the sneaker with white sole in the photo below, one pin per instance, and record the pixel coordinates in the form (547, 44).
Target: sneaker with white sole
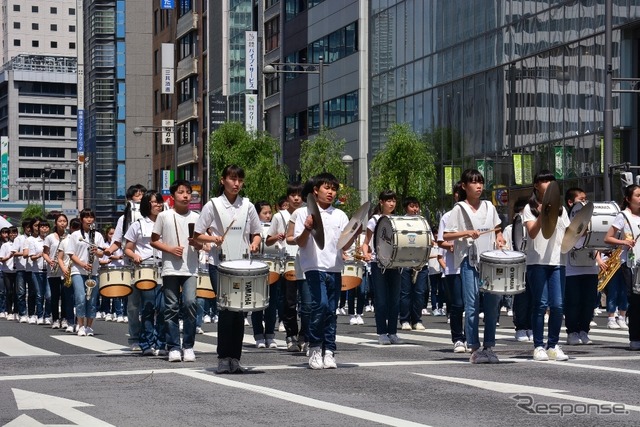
(510, 313)
(406, 326)
(281, 327)
(33, 320)
(55, 325)
(99, 315)
(292, 344)
(224, 366)
(573, 339)
(540, 354)
(24, 319)
(556, 353)
(189, 355)
(3, 315)
(261, 343)
(612, 324)
(108, 317)
(160, 352)
(120, 319)
(478, 357)
(393, 338)
(359, 320)
(69, 329)
(199, 330)
(246, 322)
(521, 336)
(459, 347)
(88, 330)
(622, 322)
(271, 343)
(135, 347)
(175, 356)
(593, 324)
(315, 360)
(353, 320)
(47, 320)
(491, 355)
(383, 339)
(584, 337)
(81, 332)
(206, 319)
(419, 326)
(329, 361)
(235, 366)
(39, 321)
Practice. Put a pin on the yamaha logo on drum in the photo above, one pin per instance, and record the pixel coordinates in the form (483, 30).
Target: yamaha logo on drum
(248, 293)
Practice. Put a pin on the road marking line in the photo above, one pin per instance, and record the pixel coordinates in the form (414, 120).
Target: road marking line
(93, 344)
(12, 346)
(294, 398)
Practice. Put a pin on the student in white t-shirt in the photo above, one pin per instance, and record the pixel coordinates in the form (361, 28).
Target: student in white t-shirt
(545, 271)
(624, 232)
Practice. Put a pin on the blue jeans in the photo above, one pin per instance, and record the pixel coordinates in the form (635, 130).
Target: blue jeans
(412, 295)
(21, 292)
(304, 294)
(84, 308)
(547, 290)
(455, 307)
(386, 298)
(617, 293)
(471, 297)
(133, 314)
(204, 308)
(436, 283)
(325, 290)
(268, 315)
(153, 333)
(579, 297)
(43, 294)
(171, 288)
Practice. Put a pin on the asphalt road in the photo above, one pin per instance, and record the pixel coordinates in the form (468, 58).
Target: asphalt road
(51, 378)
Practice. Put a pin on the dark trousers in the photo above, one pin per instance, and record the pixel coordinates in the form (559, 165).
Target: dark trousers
(230, 326)
(455, 307)
(290, 307)
(11, 296)
(55, 284)
(579, 297)
(522, 310)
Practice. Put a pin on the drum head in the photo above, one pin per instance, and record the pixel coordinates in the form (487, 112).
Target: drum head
(383, 240)
(503, 256)
(244, 265)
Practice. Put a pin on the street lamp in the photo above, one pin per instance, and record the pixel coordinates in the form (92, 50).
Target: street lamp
(303, 68)
(46, 173)
(347, 160)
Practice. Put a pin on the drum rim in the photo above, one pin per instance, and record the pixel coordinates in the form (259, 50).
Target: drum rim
(252, 265)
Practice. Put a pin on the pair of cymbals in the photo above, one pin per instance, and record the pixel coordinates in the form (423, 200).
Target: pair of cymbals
(355, 225)
(578, 226)
(550, 209)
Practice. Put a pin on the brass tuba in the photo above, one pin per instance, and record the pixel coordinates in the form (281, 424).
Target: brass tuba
(611, 266)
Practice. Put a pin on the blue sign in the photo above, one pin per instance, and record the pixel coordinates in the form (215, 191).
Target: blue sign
(167, 4)
(80, 132)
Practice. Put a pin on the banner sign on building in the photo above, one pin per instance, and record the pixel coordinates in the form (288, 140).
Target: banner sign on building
(564, 164)
(168, 132)
(451, 176)
(167, 179)
(217, 110)
(80, 135)
(167, 4)
(251, 112)
(485, 167)
(168, 72)
(523, 169)
(251, 60)
(4, 161)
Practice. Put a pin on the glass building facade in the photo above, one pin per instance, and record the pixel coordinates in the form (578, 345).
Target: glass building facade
(509, 87)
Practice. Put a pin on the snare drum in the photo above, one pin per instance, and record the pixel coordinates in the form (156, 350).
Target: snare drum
(502, 272)
(603, 215)
(352, 273)
(204, 289)
(275, 267)
(145, 277)
(243, 285)
(115, 282)
(402, 241)
(290, 269)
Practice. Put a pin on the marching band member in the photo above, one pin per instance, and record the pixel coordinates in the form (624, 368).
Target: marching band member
(220, 215)
(68, 295)
(138, 248)
(49, 253)
(581, 287)
(179, 270)
(6, 287)
(472, 226)
(289, 290)
(386, 283)
(545, 271)
(20, 266)
(265, 335)
(522, 302)
(322, 269)
(30, 270)
(627, 222)
(85, 249)
(39, 272)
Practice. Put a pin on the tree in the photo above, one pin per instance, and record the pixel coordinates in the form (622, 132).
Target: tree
(32, 211)
(405, 165)
(324, 154)
(257, 153)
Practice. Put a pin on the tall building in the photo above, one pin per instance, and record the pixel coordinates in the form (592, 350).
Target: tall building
(38, 90)
(118, 97)
(507, 87)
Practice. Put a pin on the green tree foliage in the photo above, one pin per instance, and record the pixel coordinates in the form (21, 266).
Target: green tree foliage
(405, 165)
(324, 154)
(32, 211)
(257, 153)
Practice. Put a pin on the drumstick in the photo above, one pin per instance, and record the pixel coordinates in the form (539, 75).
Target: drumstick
(490, 231)
(228, 228)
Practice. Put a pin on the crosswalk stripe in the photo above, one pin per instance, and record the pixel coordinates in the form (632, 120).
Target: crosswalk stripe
(14, 347)
(93, 344)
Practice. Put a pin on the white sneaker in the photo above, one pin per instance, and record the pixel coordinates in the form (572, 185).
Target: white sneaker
(353, 320)
(24, 319)
(491, 355)
(261, 344)
(215, 319)
(69, 329)
(206, 319)
(88, 331)
(425, 312)
(510, 313)
(175, 356)
(556, 353)
(40, 321)
(3, 315)
(597, 311)
(343, 311)
(246, 322)
(478, 357)
(419, 326)
(189, 355)
(521, 336)
(120, 319)
(503, 309)
(316, 361)
(540, 354)
(271, 343)
(481, 315)
(359, 320)
(64, 324)
(622, 323)
(126, 319)
(33, 320)
(136, 347)
(329, 362)
(47, 321)
(99, 315)
(584, 337)
(199, 330)
(81, 332)
(406, 326)
(573, 339)
(108, 317)
(460, 347)
(546, 318)
(368, 308)
(55, 325)
(612, 324)
(593, 324)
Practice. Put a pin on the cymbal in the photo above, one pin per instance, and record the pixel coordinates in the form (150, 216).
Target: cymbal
(355, 225)
(318, 230)
(550, 209)
(517, 234)
(578, 226)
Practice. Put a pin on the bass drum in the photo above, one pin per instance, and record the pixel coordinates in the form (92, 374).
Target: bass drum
(402, 241)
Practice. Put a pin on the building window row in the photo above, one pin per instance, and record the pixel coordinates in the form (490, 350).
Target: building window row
(272, 34)
(39, 88)
(46, 152)
(35, 130)
(295, 7)
(187, 45)
(43, 109)
(337, 45)
(184, 7)
(338, 111)
(52, 10)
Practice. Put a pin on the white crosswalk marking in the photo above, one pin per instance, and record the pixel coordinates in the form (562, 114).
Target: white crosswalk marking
(93, 344)
(14, 347)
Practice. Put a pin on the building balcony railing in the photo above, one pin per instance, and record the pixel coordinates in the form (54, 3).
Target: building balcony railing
(186, 23)
(187, 67)
(187, 154)
(188, 110)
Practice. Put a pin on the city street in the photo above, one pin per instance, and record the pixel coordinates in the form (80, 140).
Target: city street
(48, 377)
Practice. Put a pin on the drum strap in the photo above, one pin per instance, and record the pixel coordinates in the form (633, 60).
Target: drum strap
(483, 243)
(233, 246)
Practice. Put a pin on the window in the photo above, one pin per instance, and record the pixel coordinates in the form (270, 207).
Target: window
(72, 11)
(16, 42)
(54, 10)
(35, 26)
(16, 25)
(72, 28)
(16, 8)
(35, 43)
(34, 9)
(54, 45)
(54, 27)
(72, 45)
(271, 34)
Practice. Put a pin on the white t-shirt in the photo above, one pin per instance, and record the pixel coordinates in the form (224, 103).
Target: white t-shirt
(330, 258)
(451, 267)
(139, 233)
(371, 226)
(292, 221)
(5, 251)
(52, 241)
(19, 261)
(36, 247)
(117, 231)
(167, 224)
(279, 224)
(540, 251)
(79, 245)
(621, 223)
